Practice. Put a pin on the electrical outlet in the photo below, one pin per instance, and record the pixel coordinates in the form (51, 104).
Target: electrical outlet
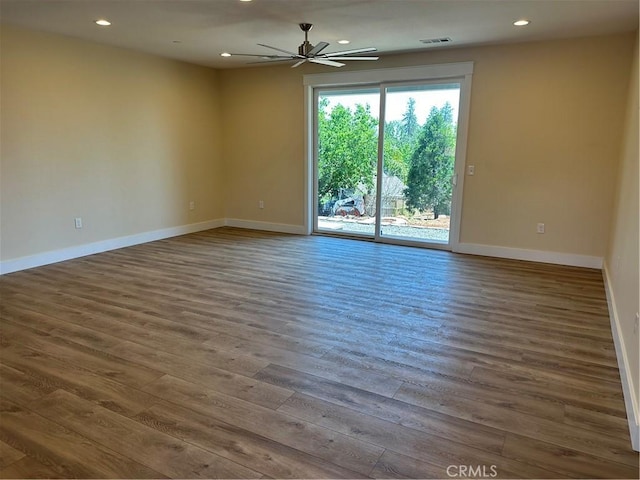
(540, 228)
(78, 222)
(471, 170)
(192, 205)
(260, 203)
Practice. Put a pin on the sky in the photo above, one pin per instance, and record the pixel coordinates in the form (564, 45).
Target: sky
(397, 99)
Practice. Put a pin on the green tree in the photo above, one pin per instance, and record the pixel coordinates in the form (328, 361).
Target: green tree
(431, 165)
(409, 125)
(399, 141)
(347, 149)
(396, 151)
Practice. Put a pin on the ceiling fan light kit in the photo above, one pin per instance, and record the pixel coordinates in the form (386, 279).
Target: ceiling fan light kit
(311, 53)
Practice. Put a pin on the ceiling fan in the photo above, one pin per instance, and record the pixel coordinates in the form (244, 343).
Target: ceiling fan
(310, 53)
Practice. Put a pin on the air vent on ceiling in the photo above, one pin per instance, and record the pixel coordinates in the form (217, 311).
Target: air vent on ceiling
(433, 41)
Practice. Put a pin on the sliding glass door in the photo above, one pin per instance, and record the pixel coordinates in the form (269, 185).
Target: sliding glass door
(419, 145)
(386, 159)
(347, 159)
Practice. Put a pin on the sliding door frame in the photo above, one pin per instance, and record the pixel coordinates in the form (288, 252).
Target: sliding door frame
(450, 72)
(455, 199)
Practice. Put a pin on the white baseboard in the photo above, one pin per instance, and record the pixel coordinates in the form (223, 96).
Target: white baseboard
(54, 256)
(530, 255)
(69, 253)
(266, 226)
(630, 399)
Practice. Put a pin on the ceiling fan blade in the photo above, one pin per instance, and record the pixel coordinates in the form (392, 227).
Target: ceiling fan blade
(324, 61)
(352, 58)
(317, 49)
(275, 60)
(297, 64)
(349, 52)
(261, 56)
(280, 50)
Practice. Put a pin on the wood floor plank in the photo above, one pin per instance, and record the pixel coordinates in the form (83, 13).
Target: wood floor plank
(394, 465)
(27, 467)
(239, 386)
(608, 383)
(596, 421)
(611, 448)
(401, 364)
(571, 366)
(20, 387)
(599, 396)
(361, 378)
(564, 460)
(383, 408)
(309, 356)
(311, 397)
(116, 324)
(290, 431)
(51, 374)
(8, 455)
(67, 351)
(476, 317)
(242, 446)
(435, 450)
(499, 355)
(598, 352)
(541, 406)
(44, 323)
(62, 450)
(335, 392)
(259, 335)
(142, 444)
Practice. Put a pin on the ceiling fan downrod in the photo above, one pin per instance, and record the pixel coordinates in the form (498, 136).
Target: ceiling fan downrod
(306, 47)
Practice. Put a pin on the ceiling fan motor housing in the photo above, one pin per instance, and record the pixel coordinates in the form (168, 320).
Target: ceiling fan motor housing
(305, 48)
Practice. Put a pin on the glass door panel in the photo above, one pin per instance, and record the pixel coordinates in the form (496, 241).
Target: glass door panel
(418, 162)
(347, 158)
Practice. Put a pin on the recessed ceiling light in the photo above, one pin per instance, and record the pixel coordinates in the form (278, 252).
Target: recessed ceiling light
(103, 23)
(521, 23)
(343, 42)
(225, 54)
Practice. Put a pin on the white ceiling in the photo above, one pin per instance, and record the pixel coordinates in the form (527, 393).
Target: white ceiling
(197, 31)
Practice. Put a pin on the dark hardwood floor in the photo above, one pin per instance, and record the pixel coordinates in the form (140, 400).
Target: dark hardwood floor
(239, 354)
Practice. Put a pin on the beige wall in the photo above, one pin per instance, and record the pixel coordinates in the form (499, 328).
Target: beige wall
(263, 131)
(121, 139)
(621, 262)
(544, 135)
(125, 140)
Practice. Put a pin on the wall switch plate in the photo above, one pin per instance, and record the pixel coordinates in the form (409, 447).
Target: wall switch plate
(192, 205)
(78, 222)
(540, 228)
(260, 203)
(471, 170)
